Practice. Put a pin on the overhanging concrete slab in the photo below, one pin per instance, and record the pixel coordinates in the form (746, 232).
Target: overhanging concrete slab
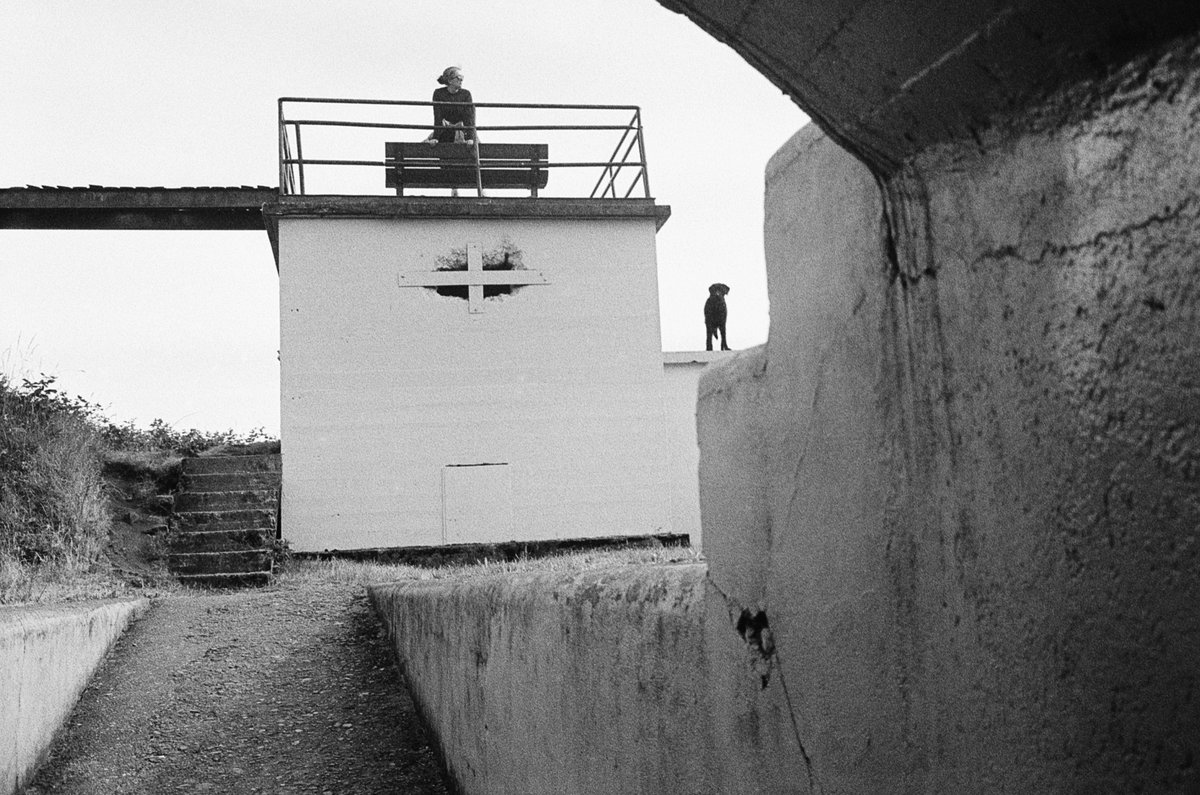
(888, 78)
(97, 207)
(462, 207)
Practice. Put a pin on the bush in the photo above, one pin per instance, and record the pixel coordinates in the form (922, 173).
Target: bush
(162, 438)
(53, 508)
(55, 451)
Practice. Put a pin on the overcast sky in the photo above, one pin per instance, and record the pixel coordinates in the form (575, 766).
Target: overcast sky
(183, 326)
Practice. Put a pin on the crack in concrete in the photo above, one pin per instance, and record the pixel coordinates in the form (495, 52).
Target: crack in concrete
(952, 53)
(805, 436)
(825, 43)
(736, 28)
(750, 627)
(813, 784)
(1049, 249)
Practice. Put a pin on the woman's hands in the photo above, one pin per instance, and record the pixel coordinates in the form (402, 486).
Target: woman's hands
(459, 135)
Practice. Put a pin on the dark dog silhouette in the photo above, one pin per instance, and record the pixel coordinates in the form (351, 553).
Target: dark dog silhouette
(715, 313)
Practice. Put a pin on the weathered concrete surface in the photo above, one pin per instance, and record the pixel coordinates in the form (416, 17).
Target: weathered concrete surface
(681, 378)
(598, 682)
(887, 79)
(953, 503)
(977, 420)
(47, 655)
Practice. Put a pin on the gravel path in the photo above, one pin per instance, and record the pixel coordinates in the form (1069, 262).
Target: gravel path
(280, 690)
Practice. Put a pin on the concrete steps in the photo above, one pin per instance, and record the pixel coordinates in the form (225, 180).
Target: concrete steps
(234, 499)
(223, 539)
(220, 562)
(243, 580)
(225, 521)
(193, 521)
(221, 481)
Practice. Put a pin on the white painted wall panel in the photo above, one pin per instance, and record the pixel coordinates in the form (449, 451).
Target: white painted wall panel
(681, 380)
(385, 385)
(477, 504)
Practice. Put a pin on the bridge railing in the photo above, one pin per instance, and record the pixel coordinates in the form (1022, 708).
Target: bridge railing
(337, 146)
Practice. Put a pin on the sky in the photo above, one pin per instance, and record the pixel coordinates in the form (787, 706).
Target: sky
(184, 326)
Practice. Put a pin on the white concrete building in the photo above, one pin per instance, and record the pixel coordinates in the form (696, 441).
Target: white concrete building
(461, 371)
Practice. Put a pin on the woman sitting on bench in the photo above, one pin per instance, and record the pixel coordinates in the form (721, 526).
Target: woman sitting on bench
(453, 110)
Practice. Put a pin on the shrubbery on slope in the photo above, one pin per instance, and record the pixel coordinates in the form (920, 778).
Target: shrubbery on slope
(55, 450)
(53, 510)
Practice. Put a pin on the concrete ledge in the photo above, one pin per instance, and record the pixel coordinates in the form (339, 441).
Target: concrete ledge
(631, 679)
(463, 207)
(551, 683)
(694, 357)
(47, 655)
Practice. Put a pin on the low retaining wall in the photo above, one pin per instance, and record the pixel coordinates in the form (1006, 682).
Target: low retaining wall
(631, 679)
(47, 655)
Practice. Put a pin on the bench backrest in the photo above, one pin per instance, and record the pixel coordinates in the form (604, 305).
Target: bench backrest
(453, 165)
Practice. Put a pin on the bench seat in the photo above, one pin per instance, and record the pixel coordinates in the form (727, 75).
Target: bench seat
(421, 165)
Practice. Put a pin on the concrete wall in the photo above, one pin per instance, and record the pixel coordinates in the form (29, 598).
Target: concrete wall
(961, 478)
(394, 395)
(597, 682)
(681, 380)
(950, 507)
(47, 655)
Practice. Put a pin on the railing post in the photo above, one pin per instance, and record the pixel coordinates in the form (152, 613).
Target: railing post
(282, 149)
(478, 167)
(642, 151)
(300, 157)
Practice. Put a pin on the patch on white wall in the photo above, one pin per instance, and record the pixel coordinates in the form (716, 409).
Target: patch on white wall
(475, 275)
(477, 504)
(504, 257)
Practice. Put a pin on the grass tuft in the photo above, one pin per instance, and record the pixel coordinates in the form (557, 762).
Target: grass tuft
(298, 573)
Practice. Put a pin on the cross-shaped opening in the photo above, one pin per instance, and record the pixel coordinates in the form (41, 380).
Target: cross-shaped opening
(503, 259)
(474, 278)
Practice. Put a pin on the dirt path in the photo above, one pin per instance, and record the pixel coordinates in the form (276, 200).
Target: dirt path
(280, 690)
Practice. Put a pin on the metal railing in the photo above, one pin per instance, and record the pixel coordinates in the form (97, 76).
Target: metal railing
(336, 146)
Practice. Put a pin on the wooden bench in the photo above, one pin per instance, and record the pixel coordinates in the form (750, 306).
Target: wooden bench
(422, 165)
